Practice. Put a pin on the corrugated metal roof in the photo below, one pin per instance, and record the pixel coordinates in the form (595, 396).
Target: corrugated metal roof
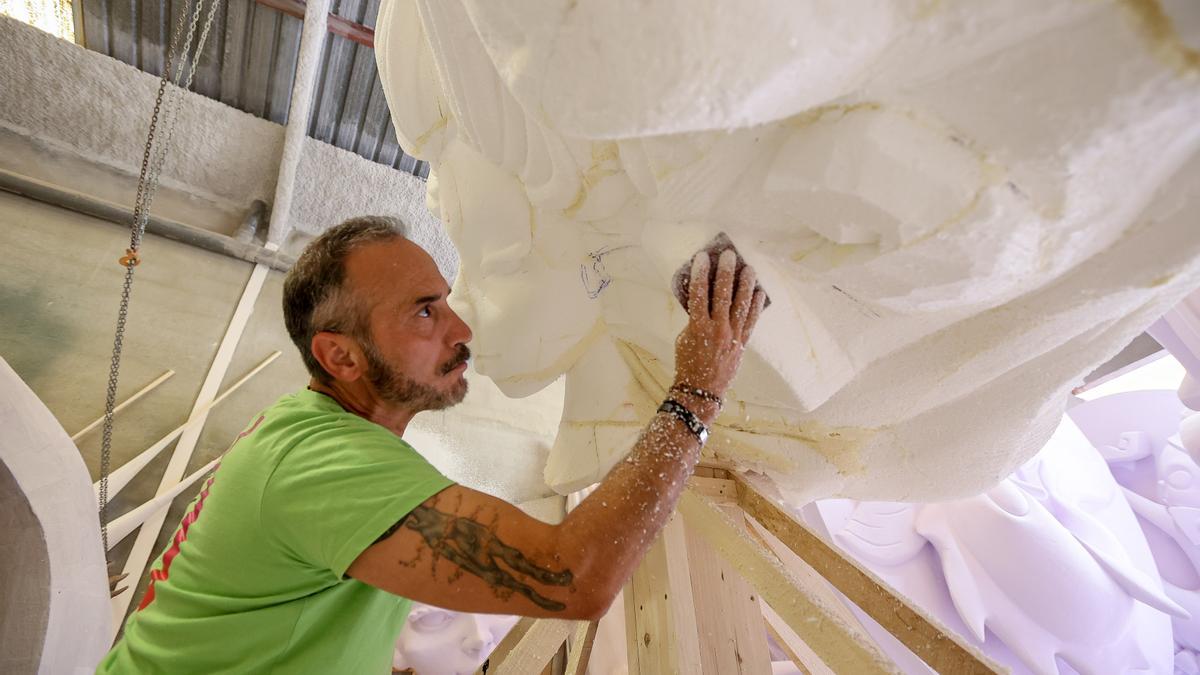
(249, 62)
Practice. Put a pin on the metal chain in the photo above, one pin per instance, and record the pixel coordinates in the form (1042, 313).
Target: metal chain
(152, 161)
(174, 94)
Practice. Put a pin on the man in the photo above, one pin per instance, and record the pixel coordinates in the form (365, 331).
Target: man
(304, 548)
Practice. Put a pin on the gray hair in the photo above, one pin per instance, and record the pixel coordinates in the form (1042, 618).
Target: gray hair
(314, 298)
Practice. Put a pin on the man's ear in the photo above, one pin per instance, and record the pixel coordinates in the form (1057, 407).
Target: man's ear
(339, 355)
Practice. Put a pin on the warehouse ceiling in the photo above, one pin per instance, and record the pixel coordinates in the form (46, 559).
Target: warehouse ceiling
(249, 62)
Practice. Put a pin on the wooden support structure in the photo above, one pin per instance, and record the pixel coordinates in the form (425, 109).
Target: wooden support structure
(581, 648)
(732, 567)
(528, 647)
(845, 648)
(660, 622)
(729, 619)
(939, 648)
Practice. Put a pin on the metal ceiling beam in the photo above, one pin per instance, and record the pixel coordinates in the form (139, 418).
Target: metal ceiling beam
(337, 25)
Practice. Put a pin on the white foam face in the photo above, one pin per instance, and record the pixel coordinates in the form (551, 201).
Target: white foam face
(958, 209)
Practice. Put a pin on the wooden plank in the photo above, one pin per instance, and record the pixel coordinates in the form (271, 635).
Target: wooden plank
(845, 648)
(119, 478)
(124, 404)
(558, 662)
(710, 468)
(813, 583)
(581, 647)
(528, 646)
(729, 621)
(719, 490)
(939, 648)
(660, 619)
(800, 654)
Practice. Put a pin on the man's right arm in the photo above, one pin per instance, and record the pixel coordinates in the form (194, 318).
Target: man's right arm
(468, 551)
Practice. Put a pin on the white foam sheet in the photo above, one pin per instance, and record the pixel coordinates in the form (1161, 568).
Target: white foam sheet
(958, 211)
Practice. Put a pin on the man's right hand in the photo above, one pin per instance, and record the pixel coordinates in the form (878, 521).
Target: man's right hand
(709, 350)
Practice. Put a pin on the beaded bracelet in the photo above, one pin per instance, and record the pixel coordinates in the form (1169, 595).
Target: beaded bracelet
(697, 392)
(688, 418)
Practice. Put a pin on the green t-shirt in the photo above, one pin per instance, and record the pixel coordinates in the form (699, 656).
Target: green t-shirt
(254, 579)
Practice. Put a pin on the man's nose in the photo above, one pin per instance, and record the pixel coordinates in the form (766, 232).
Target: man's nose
(459, 333)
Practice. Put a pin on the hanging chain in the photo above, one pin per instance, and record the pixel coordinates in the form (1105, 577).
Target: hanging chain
(165, 111)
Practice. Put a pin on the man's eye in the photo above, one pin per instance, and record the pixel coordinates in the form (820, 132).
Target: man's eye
(426, 311)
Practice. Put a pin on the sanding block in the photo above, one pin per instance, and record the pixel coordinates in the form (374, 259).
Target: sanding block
(681, 282)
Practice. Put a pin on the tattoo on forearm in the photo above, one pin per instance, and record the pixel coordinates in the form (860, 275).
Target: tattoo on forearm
(475, 548)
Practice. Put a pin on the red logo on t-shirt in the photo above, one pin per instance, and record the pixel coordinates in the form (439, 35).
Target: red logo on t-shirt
(188, 519)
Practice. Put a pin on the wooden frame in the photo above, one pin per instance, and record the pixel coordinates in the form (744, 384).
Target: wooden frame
(937, 646)
(732, 566)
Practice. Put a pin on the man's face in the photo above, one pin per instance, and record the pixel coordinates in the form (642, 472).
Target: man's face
(415, 345)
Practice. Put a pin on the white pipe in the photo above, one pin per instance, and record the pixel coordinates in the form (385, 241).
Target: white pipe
(312, 40)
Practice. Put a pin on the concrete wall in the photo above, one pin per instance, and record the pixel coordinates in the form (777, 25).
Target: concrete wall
(78, 119)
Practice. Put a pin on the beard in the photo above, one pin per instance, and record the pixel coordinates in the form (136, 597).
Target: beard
(395, 387)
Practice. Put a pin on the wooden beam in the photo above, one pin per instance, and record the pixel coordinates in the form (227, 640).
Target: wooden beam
(728, 615)
(844, 648)
(938, 647)
(719, 490)
(581, 647)
(528, 647)
(124, 404)
(800, 654)
(713, 469)
(812, 582)
(355, 32)
(660, 619)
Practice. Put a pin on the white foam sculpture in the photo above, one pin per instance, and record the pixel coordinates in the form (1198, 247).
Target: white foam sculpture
(1048, 571)
(1149, 456)
(958, 209)
(438, 641)
(61, 520)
